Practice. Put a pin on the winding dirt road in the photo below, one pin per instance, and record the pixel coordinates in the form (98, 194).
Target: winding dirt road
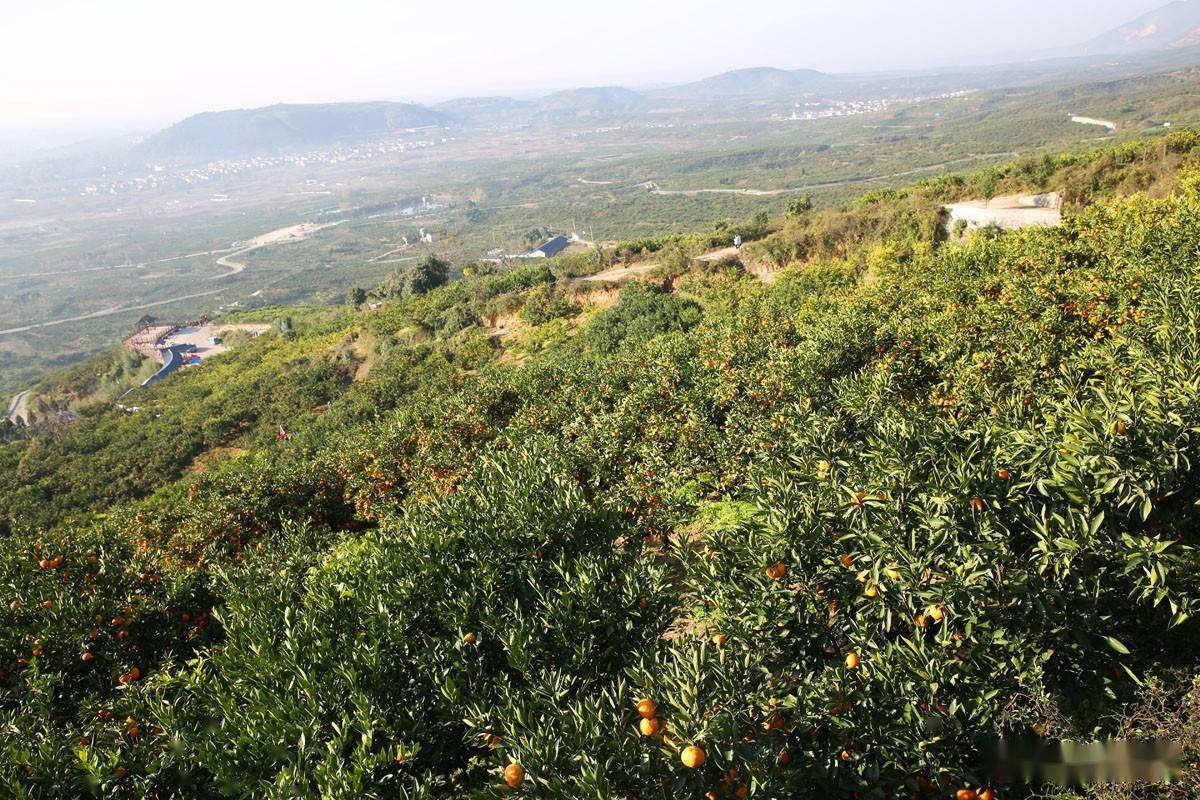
(293, 233)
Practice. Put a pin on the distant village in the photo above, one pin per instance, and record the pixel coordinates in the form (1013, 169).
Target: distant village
(824, 109)
(161, 176)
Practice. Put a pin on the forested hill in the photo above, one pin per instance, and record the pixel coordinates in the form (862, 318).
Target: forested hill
(244, 132)
(692, 535)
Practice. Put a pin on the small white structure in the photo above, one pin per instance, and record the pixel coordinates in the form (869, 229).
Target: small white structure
(1010, 212)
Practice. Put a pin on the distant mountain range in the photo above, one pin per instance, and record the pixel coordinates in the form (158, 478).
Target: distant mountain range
(756, 81)
(1174, 25)
(280, 127)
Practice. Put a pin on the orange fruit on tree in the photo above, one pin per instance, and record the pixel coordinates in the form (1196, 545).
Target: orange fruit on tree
(892, 573)
(871, 591)
(470, 638)
(987, 794)
(1003, 474)
(741, 792)
(87, 656)
(692, 757)
(937, 613)
(776, 571)
(514, 775)
(966, 794)
(784, 757)
(646, 708)
(847, 560)
(977, 504)
(650, 726)
(47, 604)
(852, 660)
(719, 639)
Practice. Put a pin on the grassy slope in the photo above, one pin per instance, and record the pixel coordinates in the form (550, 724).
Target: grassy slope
(995, 435)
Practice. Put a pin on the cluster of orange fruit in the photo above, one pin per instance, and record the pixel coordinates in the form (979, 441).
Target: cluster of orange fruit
(650, 724)
(51, 563)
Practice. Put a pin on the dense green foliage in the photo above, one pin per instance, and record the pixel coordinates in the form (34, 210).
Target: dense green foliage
(969, 464)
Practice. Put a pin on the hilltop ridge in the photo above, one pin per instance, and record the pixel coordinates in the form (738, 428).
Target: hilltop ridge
(270, 128)
(1175, 25)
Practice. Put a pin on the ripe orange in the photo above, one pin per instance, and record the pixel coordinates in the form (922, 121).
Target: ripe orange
(692, 757)
(650, 726)
(720, 639)
(852, 660)
(47, 604)
(977, 504)
(966, 794)
(1004, 474)
(987, 794)
(742, 791)
(646, 708)
(937, 613)
(514, 775)
(922, 621)
(784, 757)
(871, 591)
(470, 638)
(87, 656)
(847, 561)
(776, 571)
(892, 573)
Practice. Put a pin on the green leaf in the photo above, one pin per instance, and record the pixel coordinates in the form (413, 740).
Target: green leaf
(1115, 644)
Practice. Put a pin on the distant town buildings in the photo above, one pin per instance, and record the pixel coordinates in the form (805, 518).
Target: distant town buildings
(824, 109)
(160, 176)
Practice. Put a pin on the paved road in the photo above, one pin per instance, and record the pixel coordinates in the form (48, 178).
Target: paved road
(654, 188)
(114, 267)
(232, 267)
(105, 312)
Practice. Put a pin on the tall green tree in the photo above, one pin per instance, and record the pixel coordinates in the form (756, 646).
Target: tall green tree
(429, 273)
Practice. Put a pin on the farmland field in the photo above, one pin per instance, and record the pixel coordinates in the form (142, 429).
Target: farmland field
(71, 255)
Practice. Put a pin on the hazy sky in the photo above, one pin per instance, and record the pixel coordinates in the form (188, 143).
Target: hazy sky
(111, 61)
